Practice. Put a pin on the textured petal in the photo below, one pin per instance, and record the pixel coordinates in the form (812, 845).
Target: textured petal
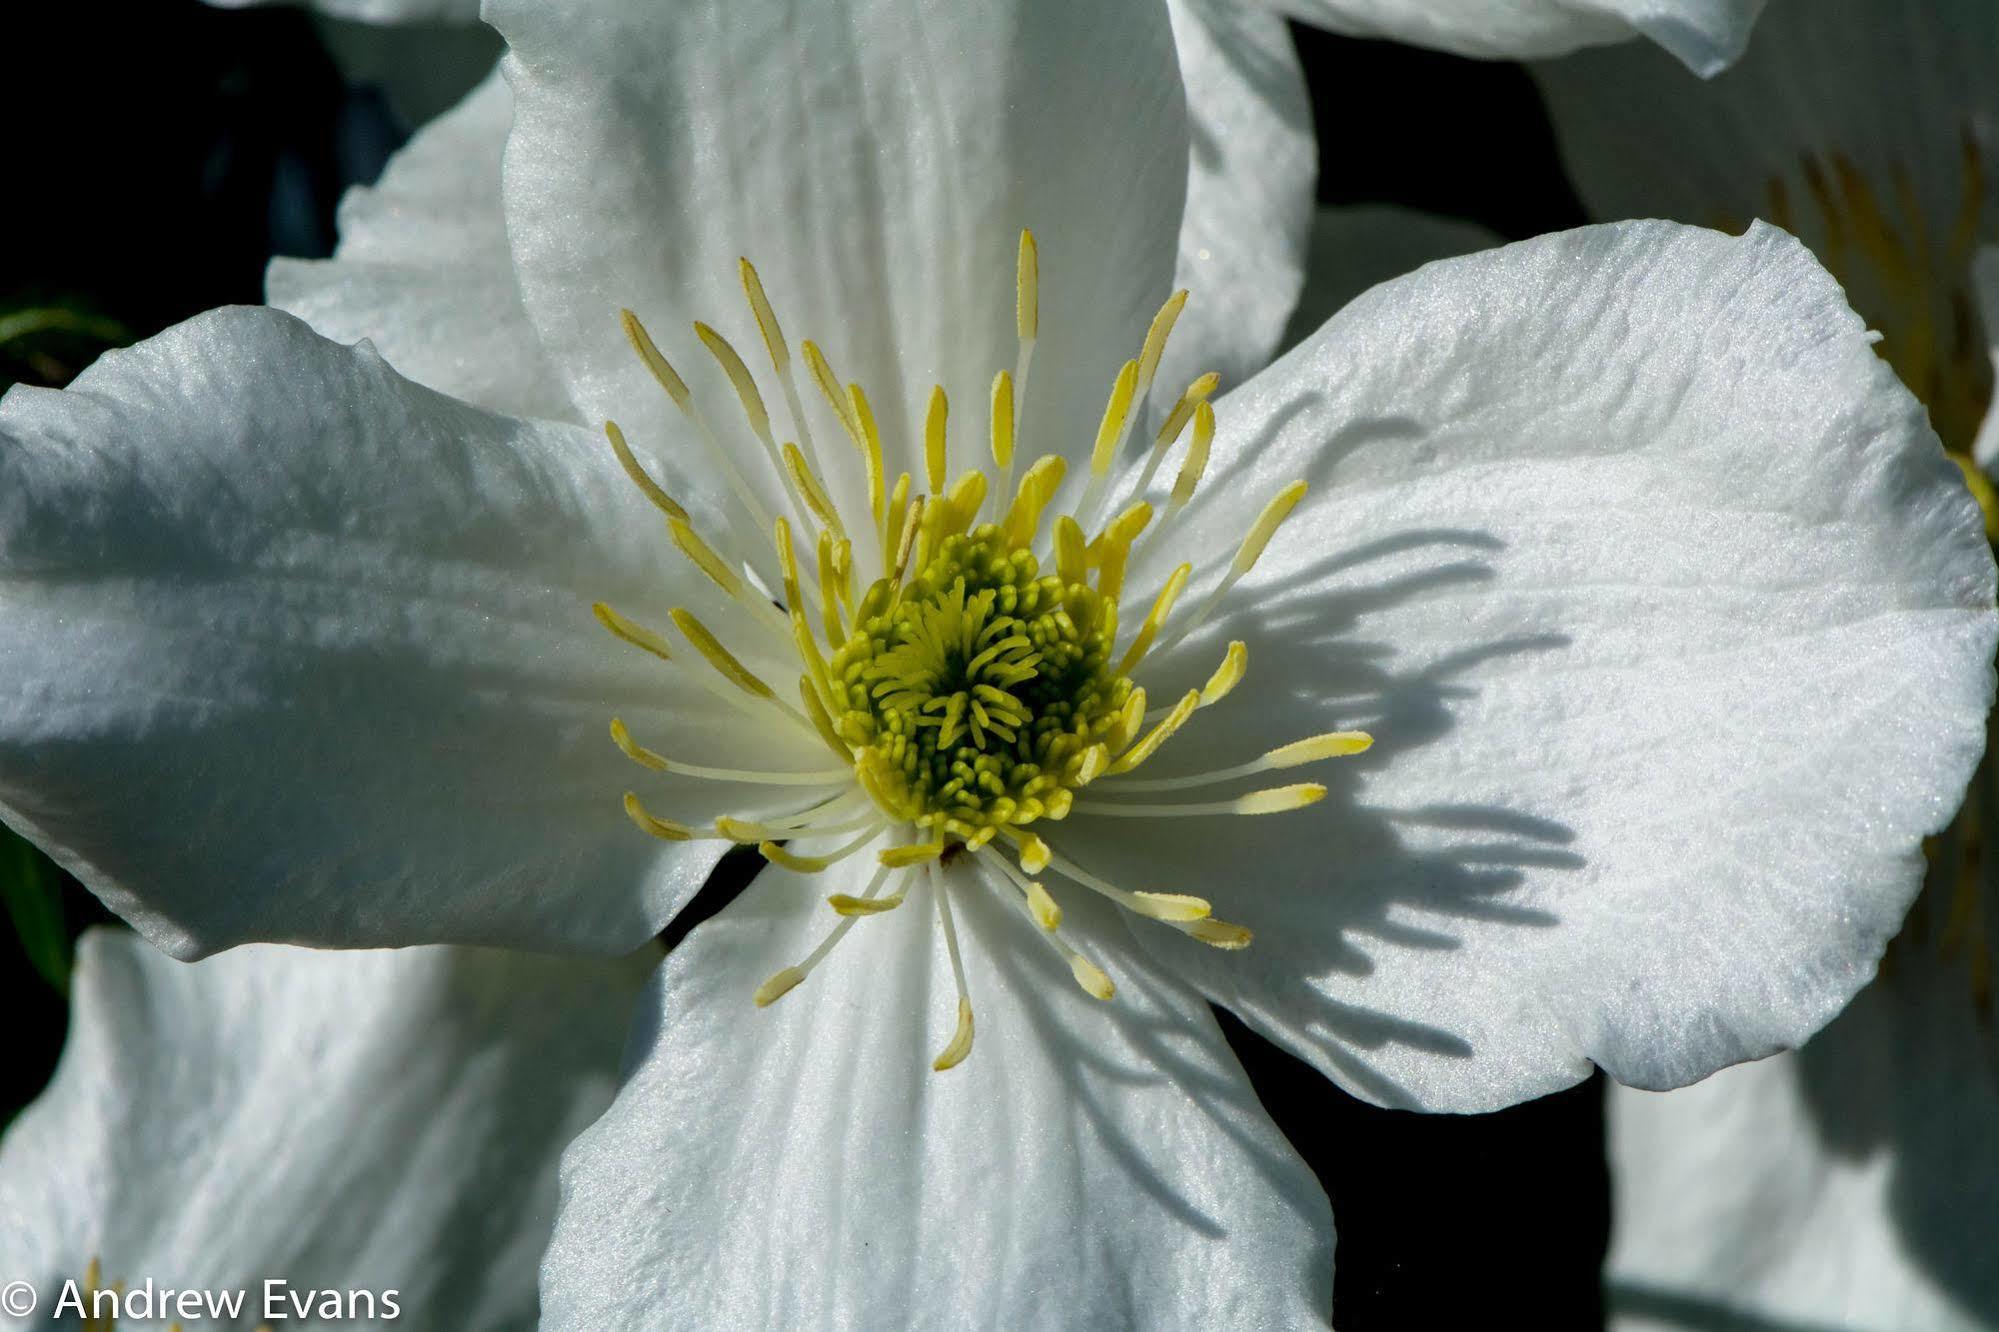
(376, 1121)
(877, 162)
(1852, 1184)
(1848, 123)
(1704, 34)
(301, 651)
(1249, 189)
(1675, 630)
(1353, 248)
(423, 269)
(1089, 1165)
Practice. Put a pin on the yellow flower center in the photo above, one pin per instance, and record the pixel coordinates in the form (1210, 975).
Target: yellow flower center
(974, 688)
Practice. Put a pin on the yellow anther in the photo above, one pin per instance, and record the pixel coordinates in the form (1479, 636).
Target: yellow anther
(965, 497)
(631, 632)
(636, 752)
(1196, 461)
(814, 494)
(718, 656)
(895, 515)
(741, 831)
(779, 985)
(1333, 744)
(871, 452)
(1047, 914)
(1265, 527)
(822, 721)
(1155, 339)
(773, 336)
(1183, 410)
(1037, 487)
(660, 368)
(961, 1040)
(829, 593)
(935, 421)
(1002, 431)
(787, 563)
(1158, 736)
(704, 558)
(1124, 529)
(640, 478)
(1218, 933)
(1280, 799)
(798, 864)
(1071, 550)
(1091, 977)
(1027, 289)
(905, 538)
(1235, 664)
(1034, 853)
(1162, 606)
(863, 906)
(1111, 429)
(664, 829)
(1090, 764)
(1129, 720)
(1169, 906)
(739, 377)
(829, 386)
(902, 857)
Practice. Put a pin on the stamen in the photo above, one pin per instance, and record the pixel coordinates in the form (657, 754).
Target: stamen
(1002, 429)
(1216, 933)
(1260, 532)
(871, 455)
(1196, 394)
(747, 394)
(1162, 606)
(934, 454)
(676, 389)
(954, 1053)
(1333, 744)
(647, 486)
(780, 354)
(1155, 341)
(658, 762)
(704, 558)
(1154, 906)
(664, 829)
(778, 855)
(829, 386)
(1037, 487)
(822, 721)
(631, 632)
(1191, 469)
(816, 499)
(786, 980)
(719, 657)
(1110, 434)
(902, 857)
(1158, 736)
(1275, 800)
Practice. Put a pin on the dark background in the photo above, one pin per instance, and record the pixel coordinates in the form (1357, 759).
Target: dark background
(158, 153)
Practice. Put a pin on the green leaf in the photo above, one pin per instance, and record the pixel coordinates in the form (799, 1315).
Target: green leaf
(32, 892)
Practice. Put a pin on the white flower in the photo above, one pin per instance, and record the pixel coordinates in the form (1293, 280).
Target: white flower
(379, 1122)
(1705, 35)
(1606, 538)
(1854, 1184)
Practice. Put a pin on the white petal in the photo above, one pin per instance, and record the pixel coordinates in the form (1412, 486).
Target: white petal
(1249, 190)
(877, 162)
(1852, 1184)
(424, 272)
(377, 1121)
(1847, 124)
(1353, 248)
(301, 651)
(1089, 1165)
(1706, 35)
(378, 11)
(1674, 628)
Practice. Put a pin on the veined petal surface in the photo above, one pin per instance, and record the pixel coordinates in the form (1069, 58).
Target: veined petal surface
(376, 1121)
(302, 651)
(1091, 1164)
(1673, 627)
(1705, 35)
